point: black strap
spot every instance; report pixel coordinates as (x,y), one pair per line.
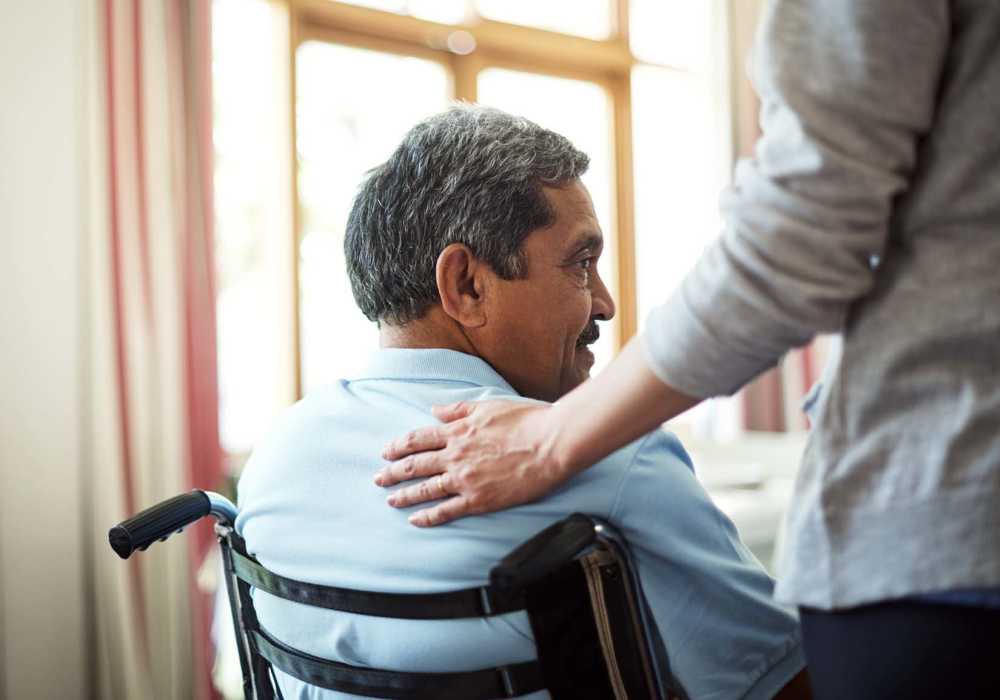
(487,684)
(469,602)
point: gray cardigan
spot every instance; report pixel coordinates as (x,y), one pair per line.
(871,209)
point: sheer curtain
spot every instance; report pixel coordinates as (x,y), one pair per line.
(149,352)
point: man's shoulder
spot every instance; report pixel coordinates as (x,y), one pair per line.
(354,419)
(651,463)
(655,447)
(656,475)
(303,417)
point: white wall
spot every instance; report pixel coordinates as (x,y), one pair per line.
(42,645)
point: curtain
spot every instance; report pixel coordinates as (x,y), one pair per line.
(772,402)
(149,355)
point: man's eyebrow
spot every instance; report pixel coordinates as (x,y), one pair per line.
(591,240)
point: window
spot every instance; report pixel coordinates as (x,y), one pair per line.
(337,140)
(252,211)
(312,93)
(588,18)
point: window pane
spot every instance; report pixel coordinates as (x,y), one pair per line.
(672,32)
(354,106)
(444,11)
(580,111)
(682,162)
(587,18)
(251,223)
(678,177)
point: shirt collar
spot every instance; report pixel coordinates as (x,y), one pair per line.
(432,365)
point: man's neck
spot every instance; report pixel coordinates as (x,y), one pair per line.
(435,330)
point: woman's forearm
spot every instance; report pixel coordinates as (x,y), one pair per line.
(612,409)
(490,455)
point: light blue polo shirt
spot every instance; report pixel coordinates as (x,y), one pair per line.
(309,510)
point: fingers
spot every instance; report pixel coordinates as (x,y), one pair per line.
(430,438)
(452,412)
(421,440)
(428,490)
(442,513)
(412,467)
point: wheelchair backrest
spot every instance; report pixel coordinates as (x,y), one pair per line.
(593,631)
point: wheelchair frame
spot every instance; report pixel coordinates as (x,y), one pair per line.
(580,558)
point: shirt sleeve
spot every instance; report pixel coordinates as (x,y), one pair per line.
(847,90)
(712,602)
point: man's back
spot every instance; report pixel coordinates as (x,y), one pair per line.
(310,511)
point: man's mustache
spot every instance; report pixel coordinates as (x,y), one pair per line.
(590,334)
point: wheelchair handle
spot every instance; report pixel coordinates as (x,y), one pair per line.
(550,549)
(164,519)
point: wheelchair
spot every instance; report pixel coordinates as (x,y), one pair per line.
(592,627)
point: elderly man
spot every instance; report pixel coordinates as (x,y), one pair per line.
(475,248)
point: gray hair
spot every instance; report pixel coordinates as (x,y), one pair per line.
(471,175)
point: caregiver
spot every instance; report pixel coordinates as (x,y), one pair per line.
(871,209)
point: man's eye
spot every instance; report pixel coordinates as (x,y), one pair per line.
(587,263)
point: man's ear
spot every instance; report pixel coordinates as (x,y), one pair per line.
(461,285)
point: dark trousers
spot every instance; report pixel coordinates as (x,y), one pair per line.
(903,649)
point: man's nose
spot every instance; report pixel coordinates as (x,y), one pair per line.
(602,305)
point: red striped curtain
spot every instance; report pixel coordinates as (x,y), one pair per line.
(772,402)
(152,373)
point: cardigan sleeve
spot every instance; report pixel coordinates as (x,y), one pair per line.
(847,90)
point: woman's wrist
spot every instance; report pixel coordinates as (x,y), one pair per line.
(561,448)
(619,405)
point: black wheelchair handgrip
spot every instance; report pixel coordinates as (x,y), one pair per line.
(550,549)
(158,522)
